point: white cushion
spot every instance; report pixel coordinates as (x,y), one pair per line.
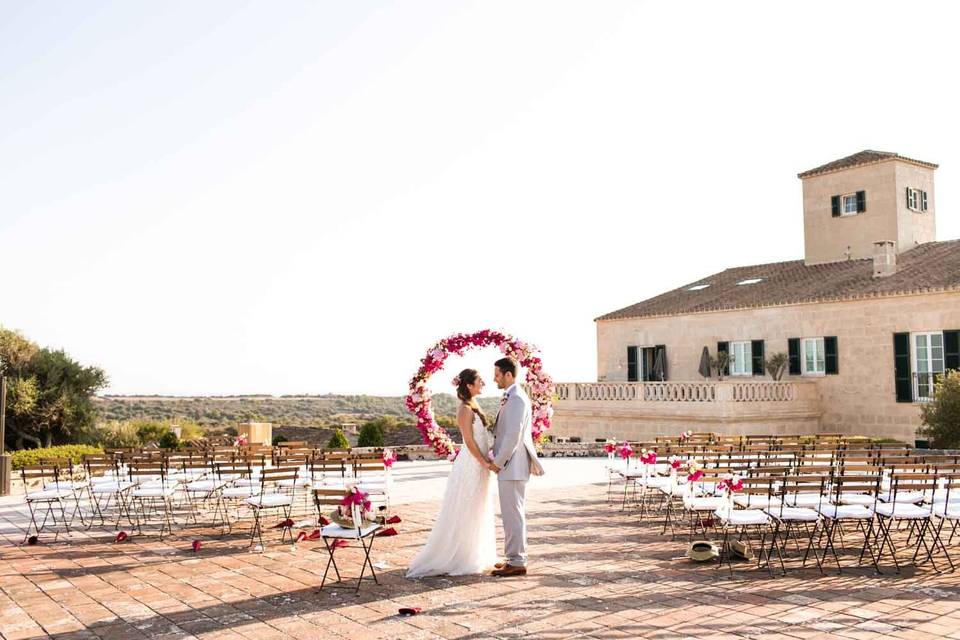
(755,501)
(857,498)
(805,500)
(657,482)
(336,531)
(240,492)
(903,496)
(704,504)
(186,476)
(269,500)
(846,512)
(951,512)
(247,482)
(104,479)
(110,487)
(50,494)
(905,510)
(154,491)
(801,514)
(69,486)
(204,486)
(741,517)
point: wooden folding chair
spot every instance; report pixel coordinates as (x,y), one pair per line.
(328,499)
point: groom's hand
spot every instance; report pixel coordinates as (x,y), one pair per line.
(493,468)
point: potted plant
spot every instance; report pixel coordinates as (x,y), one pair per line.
(777,365)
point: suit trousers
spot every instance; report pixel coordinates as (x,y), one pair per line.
(513,513)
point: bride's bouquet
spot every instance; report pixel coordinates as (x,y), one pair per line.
(343,514)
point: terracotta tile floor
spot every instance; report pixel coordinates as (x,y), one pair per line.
(594,574)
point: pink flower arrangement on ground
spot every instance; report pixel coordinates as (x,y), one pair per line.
(419,400)
(626,450)
(389,457)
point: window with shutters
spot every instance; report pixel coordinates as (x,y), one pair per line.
(812,361)
(916,199)
(849,205)
(741,359)
(927,363)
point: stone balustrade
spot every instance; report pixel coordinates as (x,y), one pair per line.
(726,391)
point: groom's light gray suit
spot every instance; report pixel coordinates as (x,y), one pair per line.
(515,455)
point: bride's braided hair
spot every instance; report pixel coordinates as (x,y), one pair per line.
(469,376)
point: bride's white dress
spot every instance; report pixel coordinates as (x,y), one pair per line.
(463,539)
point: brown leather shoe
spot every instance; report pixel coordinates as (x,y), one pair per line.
(500,565)
(509,570)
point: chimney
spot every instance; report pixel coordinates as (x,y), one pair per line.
(884,259)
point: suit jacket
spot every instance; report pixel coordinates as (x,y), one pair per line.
(513,449)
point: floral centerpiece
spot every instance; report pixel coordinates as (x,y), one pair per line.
(685,435)
(389,457)
(648,457)
(625,451)
(419,400)
(609,447)
(694,471)
(343,514)
(675,462)
(729,483)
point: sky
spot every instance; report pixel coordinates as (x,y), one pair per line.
(302,197)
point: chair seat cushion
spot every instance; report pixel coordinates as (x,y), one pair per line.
(104,479)
(794,514)
(857,498)
(186,476)
(704,504)
(903,496)
(805,500)
(50,494)
(110,487)
(240,492)
(154,491)
(846,512)
(336,531)
(204,486)
(268,500)
(756,502)
(949,511)
(904,510)
(67,485)
(741,517)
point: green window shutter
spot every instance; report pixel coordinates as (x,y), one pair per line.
(923,201)
(831,363)
(901,367)
(756,350)
(793,350)
(724,347)
(951,349)
(835,206)
(861,201)
(631,364)
(908,198)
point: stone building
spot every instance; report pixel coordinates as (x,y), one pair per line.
(867,319)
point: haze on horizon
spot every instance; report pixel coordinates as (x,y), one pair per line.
(302,197)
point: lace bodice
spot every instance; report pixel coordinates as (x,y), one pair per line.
(482,435)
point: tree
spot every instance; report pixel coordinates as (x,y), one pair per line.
(51,394)
(371,434)
(941,416)
(777,365)
(338,440)
(721,363)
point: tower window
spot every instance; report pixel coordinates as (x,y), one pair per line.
(849,205)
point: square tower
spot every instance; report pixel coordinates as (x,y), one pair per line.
(872,196)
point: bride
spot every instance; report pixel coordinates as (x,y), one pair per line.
(463,540)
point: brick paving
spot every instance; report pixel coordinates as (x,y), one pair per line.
(595,573)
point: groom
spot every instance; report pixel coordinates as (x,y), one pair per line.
(514,459)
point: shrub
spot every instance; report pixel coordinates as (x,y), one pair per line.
(941,416)
(371,435)
(277,439)
(338,440)
(150,431)
(112,433)
(29,457)
(169,440)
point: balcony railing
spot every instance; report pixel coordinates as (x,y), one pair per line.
(726,391)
